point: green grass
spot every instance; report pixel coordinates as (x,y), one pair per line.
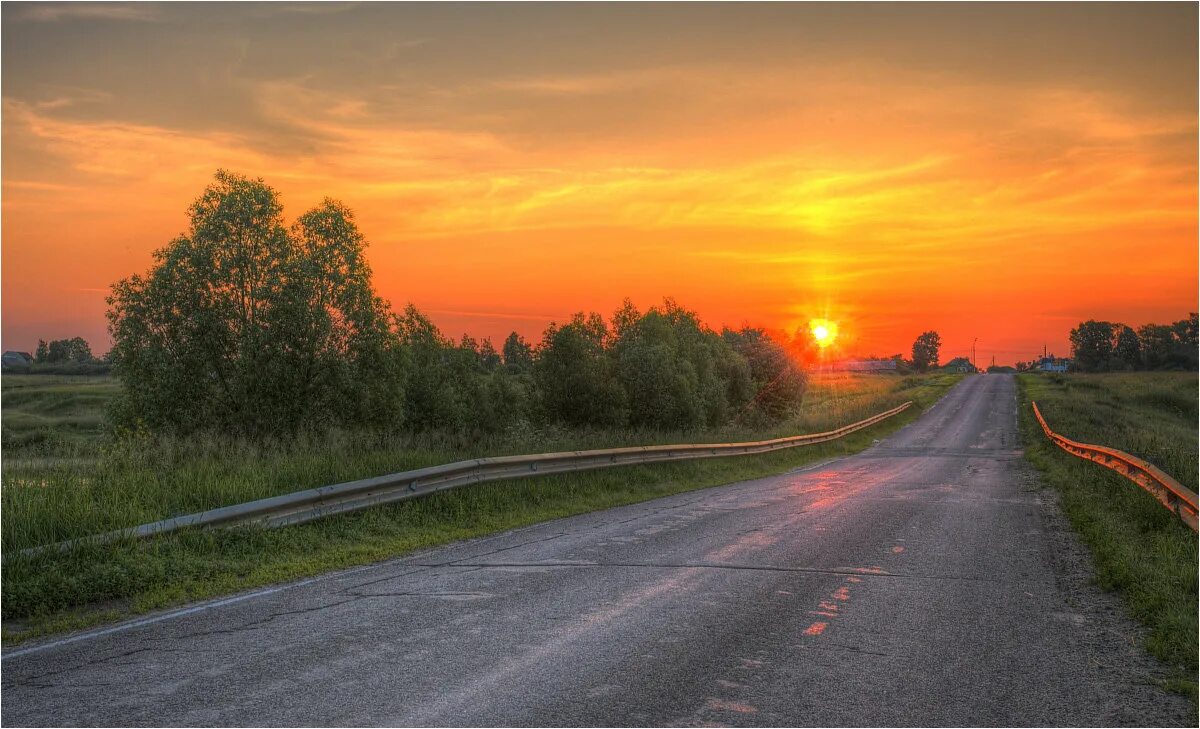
(126,484)
(53,415)
(1141,550)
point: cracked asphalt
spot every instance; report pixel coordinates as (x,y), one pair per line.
(926,581)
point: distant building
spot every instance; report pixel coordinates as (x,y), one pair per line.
(12,358)
(959,364)
(862,365)
(1050,363)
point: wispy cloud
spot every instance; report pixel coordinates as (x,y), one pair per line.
(48,12)
(273,9)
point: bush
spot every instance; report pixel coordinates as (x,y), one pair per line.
(776,380)
(678,374)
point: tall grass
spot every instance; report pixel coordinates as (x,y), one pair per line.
(1141,549)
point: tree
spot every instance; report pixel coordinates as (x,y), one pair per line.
(625,318)
(243,325)
(1185,331)
(1128,350)
(59,351)
(925,351)
(469,343)
(344,352)
(576,377)
(1170,346)
(518,355)
(489,359)
(676,373)
(1092,345)
(435,396)
(777,382)
(1157,344)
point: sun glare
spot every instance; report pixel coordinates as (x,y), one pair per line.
(823,331)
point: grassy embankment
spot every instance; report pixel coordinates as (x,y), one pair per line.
(1141,550)
(64,478)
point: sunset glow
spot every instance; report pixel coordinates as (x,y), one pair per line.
(994,171)
(823,331)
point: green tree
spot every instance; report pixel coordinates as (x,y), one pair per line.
(1158,345)
(576,377)
(1188,330)
(1185,331)
(436,397)
(489,359)
(1093,344)
(625,318)
(676,373)
(469,343)
(244,326)
(777,383)
(925,351)
(338,341)
(518,355)
(58,351)
(1128,350)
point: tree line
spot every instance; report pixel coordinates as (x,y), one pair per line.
(71,356)
(247,325)
(1102,346)
(62,351)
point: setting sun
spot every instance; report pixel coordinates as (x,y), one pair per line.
(823,331)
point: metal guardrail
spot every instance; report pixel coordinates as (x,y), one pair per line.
(1173,495)
(311,504)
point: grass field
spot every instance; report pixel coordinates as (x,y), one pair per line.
(1141,550)
(69,479)
(54,415)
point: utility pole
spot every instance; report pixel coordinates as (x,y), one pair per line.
(973,360)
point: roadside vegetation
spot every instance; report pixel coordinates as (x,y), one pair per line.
(1141,550)
(83,485)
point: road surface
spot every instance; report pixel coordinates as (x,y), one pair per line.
(925,581)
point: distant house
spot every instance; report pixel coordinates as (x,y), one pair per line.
(13,358)
(1050,363)
(959,364)
(864,365)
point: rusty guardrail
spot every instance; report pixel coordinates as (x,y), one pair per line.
(303,506)
(1172,494)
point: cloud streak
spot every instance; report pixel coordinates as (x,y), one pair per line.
(50,12)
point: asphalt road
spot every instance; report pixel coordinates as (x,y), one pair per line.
(925,581)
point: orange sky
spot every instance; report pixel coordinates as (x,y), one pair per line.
(998,171)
